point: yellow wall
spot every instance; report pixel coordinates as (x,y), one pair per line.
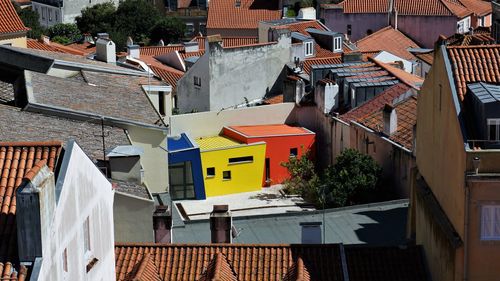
(245,177)
(16,41)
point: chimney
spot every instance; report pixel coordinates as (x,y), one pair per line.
(162,224)
(44,39)
(191,47)
(133,51)
(220,224)
(311,232)
(125,164)
(390,119)
(105,50)
(103,35)
(130,42)
(36,202)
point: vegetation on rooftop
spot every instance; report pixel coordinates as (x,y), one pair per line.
(354,179)
(30,20)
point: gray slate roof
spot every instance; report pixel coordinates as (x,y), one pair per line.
(111,95)
(18,125)
(485,92)
(381,224)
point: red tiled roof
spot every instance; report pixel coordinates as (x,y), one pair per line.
(426,57)
(249,262)
(223,14)
(144,270)
(84,48)
(477,38)
(9,273)
(35,44)
(298,272)
(403,76)
(185,55)
(275,100)
(474,64)
(160,50)
(390,40)
(270,130)
(16,159)
(301,26)
(478,7)
(168,74)
(318,61)
(408,7)
(406,112)
(376,103)
(219,269)
(9,20)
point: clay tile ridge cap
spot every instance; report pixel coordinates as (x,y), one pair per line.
(30,175)
(146,261)
(31,144)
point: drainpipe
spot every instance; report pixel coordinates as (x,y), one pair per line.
(466,231)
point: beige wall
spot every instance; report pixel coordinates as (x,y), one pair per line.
(210,123)
(483,255)
(16,41)
(155,157)
(440,148)
(133,218)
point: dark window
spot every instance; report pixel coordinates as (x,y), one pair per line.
(268,169)
(369,32)
(197,81)
(494,129)
(211,172)
(226,175)
(161,103)
(294,152)
(349,30)
(236,160)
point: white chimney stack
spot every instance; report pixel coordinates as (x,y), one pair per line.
(105,50)
(390,119)
(133,51)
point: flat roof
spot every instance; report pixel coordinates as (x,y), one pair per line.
(270,130)
(181,142)
(216,142)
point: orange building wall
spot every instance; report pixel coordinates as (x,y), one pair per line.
(278,151)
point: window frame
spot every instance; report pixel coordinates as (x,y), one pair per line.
(224,177)
(493,122)
(240,160)
(337,44)
(296,152)
(494,221)
(308,48)
(197,81)
(87,239)
(210,175)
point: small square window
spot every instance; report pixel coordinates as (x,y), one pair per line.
(294,152)
(197,81)
(211,172)
(226,175)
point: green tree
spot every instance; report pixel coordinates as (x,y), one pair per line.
(64,33)
(170,30)
(303,179)
(30,20)
(96,19)
(352,180)
(136,18)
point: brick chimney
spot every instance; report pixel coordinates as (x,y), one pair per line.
(220,224)
(162,224)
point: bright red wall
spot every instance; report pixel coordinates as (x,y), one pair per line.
(278,150)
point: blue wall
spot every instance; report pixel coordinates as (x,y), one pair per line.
(192,155)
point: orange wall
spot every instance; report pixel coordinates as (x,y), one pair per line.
(278,151)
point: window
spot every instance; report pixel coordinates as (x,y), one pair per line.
(337,44)
(490,222)
(65,260)
(57,15)
(349,30)
(50,15)
(86,236)
(460,27)
(189,29)
(203,28)
(494,129)
(161,103)
(211,172)
(226,175)
(480,21)
(238,160)
(308,48)
(44,10)
(197,81)
(294,152)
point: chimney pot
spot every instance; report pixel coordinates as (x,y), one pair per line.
(390,119)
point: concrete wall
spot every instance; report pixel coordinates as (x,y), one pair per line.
(155,158)
(211,123)
(133,218)
(337,21)
(426,30)
(387,57)
(73,8)
(14,40)
(192,98)
(85,193)
(48,15)
(246,72)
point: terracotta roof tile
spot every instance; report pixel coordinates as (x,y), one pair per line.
(223,14)
(363,6)
(249,262)
(56,47)
(168,74)
(219,269)
(390,40)
(9,273)
(477,38)
(85,48)
(405,77)
(408,7)
(228,41)
(145,270)
(35,44)
(478,7)
(474,64)
(298,272)
(16,159)
(9,20)
(426,57)
(406,112)
(275,100)
(318,61)
(160,50)
(375,104)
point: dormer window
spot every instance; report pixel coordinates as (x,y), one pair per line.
(337,44)
(308,48)
(494,129)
